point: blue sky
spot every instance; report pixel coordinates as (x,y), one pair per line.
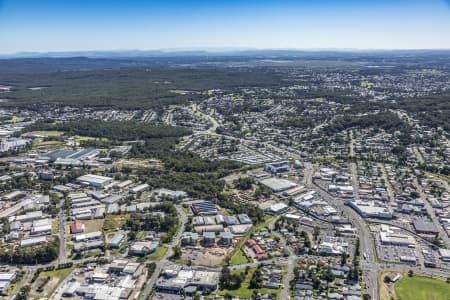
(72,25)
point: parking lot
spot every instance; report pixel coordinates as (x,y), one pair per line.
(389,253)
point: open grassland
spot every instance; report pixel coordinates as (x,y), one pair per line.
(244,291)
(55,278)
(112,222)
(44,133)
(422,288)
(47,145)
(158,254)
(80,138)
(238,258)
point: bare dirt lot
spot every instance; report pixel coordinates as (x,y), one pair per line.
(206,256)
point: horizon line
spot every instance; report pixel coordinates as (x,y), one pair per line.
(217,50)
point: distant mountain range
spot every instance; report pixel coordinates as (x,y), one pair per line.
(220,52)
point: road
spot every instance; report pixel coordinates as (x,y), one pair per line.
(352,145)
(432,214)
(390,192)
(289,276)
(165,261)
(365,237)
(214,123)
(62,234)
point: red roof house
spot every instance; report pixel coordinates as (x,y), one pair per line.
(77,227)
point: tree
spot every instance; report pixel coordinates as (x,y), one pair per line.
(229,281)
(23,293)
(316,232)
(225,278)
(387,279)
(176,252)
(328,275)
(366,297)
(344,257)
(410,273)
(243,183)
(414,195)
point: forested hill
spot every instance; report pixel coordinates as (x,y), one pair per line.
(128,88)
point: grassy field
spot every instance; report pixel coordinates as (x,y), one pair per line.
(60,274)
(48,145)
(80,138)
(158,254)
(238,258)
(244,291)
(140,235)
(55,225)
(422,288)
(50,133)
(114,221)
(139,163)
(14,120)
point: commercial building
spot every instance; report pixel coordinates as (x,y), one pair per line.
(244,219)
(33,241)
(209,239)
(189,238)
(277,209)
(116,240)
(143,247)
(204,208)
(277,167)
(6,280)
(333,246)
(139,189)
(369,209)
(95,180)
(71,154)
(424,227)
(278,185)
(230,220)
(13,196)
(177,279)
(82,237)
(226,239)
(444,254)
(390,235)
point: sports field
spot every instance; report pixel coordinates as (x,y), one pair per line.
(422,288)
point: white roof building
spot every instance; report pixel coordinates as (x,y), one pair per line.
(95,180)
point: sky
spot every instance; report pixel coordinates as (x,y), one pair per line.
(85,25)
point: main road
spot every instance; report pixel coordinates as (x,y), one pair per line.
(62,234)
(368,263)
(165,260)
